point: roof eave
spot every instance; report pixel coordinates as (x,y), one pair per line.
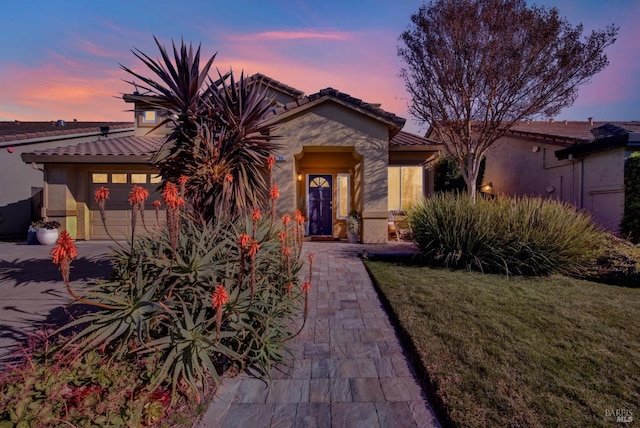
(394,126)
(85,159)
(593,147)
(416,148)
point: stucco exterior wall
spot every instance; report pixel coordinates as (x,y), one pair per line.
(330,127)
(68,199)
(517,167)
(594,183)
(604,187)
(21,184)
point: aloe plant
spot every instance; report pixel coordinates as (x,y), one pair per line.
(160,302)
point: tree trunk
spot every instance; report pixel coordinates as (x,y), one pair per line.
(471,178)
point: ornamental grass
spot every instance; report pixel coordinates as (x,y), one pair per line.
(522,236)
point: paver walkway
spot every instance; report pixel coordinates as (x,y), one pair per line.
(350,369)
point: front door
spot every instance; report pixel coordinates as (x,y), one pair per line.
(320,205)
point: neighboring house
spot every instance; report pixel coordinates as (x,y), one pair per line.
(338,154)
(581,163)
(21,185)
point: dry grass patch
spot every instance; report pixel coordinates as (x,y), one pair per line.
(519,351)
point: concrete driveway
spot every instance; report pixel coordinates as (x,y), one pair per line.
(32,294)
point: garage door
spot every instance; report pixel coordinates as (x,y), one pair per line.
(118,211)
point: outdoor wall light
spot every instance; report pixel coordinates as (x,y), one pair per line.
(299,176)
(487,188)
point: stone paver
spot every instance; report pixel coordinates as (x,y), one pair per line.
(350,369)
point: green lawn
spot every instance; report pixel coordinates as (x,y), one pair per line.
(519,351)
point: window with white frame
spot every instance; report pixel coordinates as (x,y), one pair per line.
(149,116)
(405,186)
(343,195)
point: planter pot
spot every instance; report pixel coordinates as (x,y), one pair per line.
(47,236)
(352,238)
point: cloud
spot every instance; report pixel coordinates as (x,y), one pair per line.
(366,67)
(98,51)
(292,35)
(57,90)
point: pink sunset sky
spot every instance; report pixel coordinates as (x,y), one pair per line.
(61,59)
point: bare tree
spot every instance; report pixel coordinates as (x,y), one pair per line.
(476,67)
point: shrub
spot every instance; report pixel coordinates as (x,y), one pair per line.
(618,265)
(630,224)
(91,390)
(220,297)
(530,236)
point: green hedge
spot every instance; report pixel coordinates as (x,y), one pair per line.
(528,236)
(630,225)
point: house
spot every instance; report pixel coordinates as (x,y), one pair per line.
(21,185)
(581,163)
(338,153)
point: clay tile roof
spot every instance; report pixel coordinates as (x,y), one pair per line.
(406,139)
(372,109)
(18,130)
(296,93)
(580,132)
(108,150)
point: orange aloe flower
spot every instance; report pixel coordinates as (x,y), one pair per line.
(286,219)
(229,178)
(244,240)
(286,251)
(275,192)
(270,162)
(256,215)
(283,237)
(255,247)
(182,180)
(306,286)
(64,249)
(101,194)
(299,218)
(311,256)
(63,253)
(138,195)
(289,286)
(175,203)
(170,191)
(220,297)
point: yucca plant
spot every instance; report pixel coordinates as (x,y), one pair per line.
(220,140)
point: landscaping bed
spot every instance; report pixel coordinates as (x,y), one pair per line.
(518,351)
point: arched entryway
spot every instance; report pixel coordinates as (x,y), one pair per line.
(329,186)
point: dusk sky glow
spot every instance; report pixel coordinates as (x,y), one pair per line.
(60,60)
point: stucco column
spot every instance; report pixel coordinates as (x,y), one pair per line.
(375,212)
(60,203)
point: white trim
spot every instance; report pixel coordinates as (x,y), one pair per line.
(152,118)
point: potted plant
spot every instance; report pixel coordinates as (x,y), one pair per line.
(353,226)
(46,231)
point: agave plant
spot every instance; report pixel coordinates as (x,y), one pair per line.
(220,139)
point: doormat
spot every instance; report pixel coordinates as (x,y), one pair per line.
(323,238)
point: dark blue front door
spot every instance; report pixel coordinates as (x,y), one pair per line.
(320,206)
